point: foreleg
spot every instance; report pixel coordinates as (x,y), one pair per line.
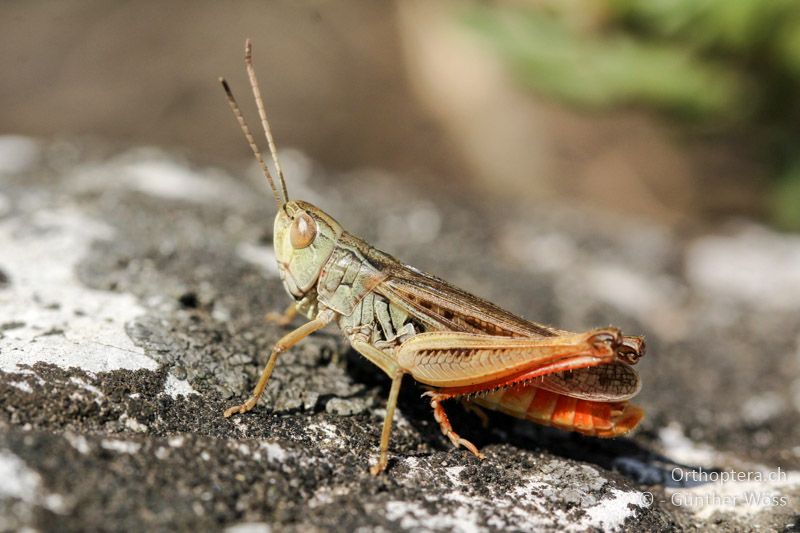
(286,342)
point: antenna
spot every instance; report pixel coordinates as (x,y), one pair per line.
(249,136)
(262,112)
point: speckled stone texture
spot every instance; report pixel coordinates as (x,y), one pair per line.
(133,289)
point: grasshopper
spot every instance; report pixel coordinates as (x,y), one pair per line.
(455,344)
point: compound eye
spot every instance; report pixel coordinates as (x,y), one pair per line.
(303,231)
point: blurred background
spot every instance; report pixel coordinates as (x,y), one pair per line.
(582,163)
(684,111)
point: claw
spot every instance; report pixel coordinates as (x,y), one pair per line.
(377,468)
(240,409)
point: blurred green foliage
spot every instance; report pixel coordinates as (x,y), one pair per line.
(598,69)
(718,61)
(785,199)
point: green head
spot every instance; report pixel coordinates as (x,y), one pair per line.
(304,239)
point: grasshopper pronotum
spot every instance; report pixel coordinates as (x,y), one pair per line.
(455,344)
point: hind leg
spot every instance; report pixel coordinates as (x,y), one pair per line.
(444,424)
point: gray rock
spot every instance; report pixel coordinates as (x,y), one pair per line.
(133,314)
(346,406)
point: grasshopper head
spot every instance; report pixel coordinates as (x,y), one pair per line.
(304,239)
(304,235)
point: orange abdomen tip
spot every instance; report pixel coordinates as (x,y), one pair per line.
(623,423)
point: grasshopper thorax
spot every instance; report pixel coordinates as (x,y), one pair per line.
(304,239)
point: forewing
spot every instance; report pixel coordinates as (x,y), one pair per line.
(445,307)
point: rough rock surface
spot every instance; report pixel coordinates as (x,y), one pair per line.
(133,289)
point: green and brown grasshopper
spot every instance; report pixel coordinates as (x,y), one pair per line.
(455,344)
